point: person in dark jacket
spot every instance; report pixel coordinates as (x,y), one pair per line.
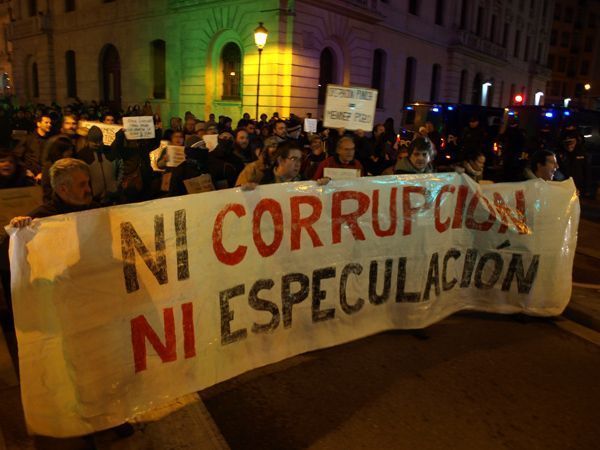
(572,160)
(103,174)
(420,154)
(195,164)
(473,137)
(30,149)
(513,151)
(61,147)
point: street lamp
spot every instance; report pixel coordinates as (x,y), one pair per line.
(587,86)
(260,39)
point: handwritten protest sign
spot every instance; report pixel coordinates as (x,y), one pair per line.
(108,131)
(151,301)
(352,108)
(139,127)
(175,155)
(341,174)
(196,185)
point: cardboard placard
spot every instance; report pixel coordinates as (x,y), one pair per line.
(140,127)
(341,174)
(196,185)
(108,131)
(175,155)
(352,108)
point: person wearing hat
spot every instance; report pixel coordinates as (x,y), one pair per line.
(255,171)
(103,173)
(473,137)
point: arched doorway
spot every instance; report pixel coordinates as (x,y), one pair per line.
(110,76)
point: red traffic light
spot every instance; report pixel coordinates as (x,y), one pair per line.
(518,98)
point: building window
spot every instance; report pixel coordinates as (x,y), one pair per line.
(553,36)
(326,72)
(439,12)
(511,98)
(32,8)
(464,14)
(550,64)
(565,38)
(71,74)
(413,7)
(493,29)
(110,76)
(505,35)
(378,77)
(557,11)
(527,45)
(477,90)
(462,88)
(35,81)
(589,43)
(562,64)
(435,83)
(585,67)
(568,14)
(231,62)
(69,5)
(159,73)
(592,21)
(409,79)
(479,26)
(517,42)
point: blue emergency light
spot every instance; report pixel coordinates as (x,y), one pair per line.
(409,108)
(567,113)
(450,108)
(511,113)
(435,109)
(549,115)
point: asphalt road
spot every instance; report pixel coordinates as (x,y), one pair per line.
(476,382)
(472,381)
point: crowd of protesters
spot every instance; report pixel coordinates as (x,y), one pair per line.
(47,146)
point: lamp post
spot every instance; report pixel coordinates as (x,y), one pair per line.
(260,39)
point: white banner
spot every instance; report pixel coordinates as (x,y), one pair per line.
(108,131)
(119,310)
(352,108)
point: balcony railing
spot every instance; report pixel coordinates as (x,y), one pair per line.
(474,42)
(31,26)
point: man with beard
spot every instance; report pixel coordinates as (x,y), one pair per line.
(70,180)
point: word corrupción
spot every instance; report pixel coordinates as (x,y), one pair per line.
(346,207)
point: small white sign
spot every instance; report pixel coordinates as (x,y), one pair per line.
(310,125)
(175,155)
(211,140)
(341,174)
(203,183)
(141,127)
(352,108)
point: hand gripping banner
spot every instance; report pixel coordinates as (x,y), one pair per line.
(122,309)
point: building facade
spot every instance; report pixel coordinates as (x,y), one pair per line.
(199,55)
(574,56)
(5,50)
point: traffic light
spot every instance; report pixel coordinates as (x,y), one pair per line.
(519,99)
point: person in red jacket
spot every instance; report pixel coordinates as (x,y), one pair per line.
(343,159)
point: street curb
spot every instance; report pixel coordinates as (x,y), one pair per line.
(582,317)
